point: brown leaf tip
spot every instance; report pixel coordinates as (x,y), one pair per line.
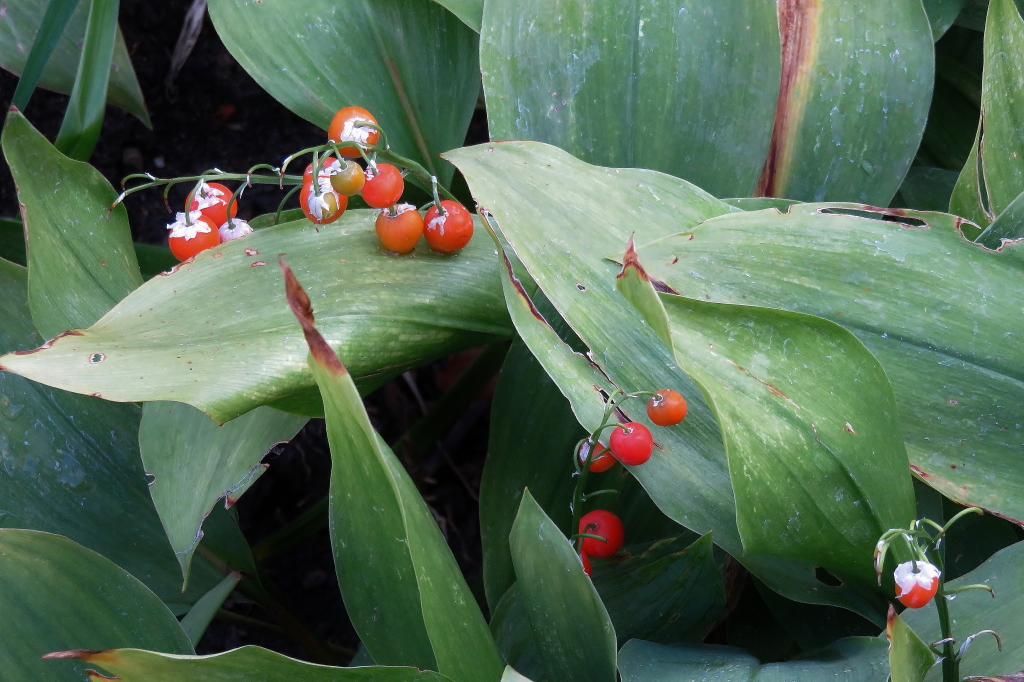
(298,299)
(631,260)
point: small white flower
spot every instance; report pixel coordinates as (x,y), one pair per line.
(233,230)
(906,579)
(207,196)
(181,228)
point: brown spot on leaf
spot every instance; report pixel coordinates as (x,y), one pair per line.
(918,471)
(299,302)
(83,654)
(848,427)
(258,264)
(252,252)
(99,676)
(798,33)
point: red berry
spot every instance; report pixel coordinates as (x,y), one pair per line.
(631,443)
(211,199)
(399,228)
(608,526)
(586,563)
(602,460)
(452,230)
(189,240)
(384,187)
(666,408)
(323,208)
(914,590)
(343,129)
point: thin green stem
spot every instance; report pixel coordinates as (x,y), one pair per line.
(950,666)
(578,498)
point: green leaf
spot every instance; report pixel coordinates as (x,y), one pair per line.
(58,12)
(81,263)
(12,240)
(910,659)
(569,231)
(69,464)
(59,595)
(855,659)
(976,610)
(681,87)
(1008,227)
(83,119)
(202,612)
(247,662)
(18,31)
(205,334)
(994,174)
(195,463)
(857,78)
(469,11)
(411,63)
(511,675)
(927,189)
(669,592)
(154,259)
(574,634)
(942,14)
(951,357)
(403,589)
(809,421)
(530,444)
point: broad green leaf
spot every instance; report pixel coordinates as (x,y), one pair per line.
(59,595)
(574,634)
(935,309)
(530,445)
(411,63)
(403,589)
(570,231)
(154,259)
(18,28)
(249,663)
(949,136)
(54,20)
(808,418)
(976,610)
(202,612)
(513,634)
(69,464)
(855,659)
(994,174)
(80,261)
(469,11)
(669,592)
(942,14)
(511,675)
(83,119)
(813,626)
(910,659)
(12,240)
(681,86)
(208,335)
(856,82)
(1007,227)
(194,463)
(926,189)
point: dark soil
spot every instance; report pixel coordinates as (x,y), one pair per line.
(215,115)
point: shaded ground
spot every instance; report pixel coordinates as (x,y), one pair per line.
(216,115)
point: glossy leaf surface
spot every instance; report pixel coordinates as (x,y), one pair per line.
(194,463)
(855,659)
(856,81)
(59,595)
(411,63)
(202,612)
(568,231)
(51,27)
(249,663)
(910,659)
(206,335)
(69,464)
(680,86)
(934,309)
(80,262)
(994,174)
(976,610)
(574,634)
(17,33)
(403,590)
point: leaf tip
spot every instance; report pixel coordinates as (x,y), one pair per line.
(300,304)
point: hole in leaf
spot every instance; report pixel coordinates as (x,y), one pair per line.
(97,358)
(826,577)
(878,214)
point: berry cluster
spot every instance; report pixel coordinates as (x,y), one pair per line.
(324,191)
(599,532)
